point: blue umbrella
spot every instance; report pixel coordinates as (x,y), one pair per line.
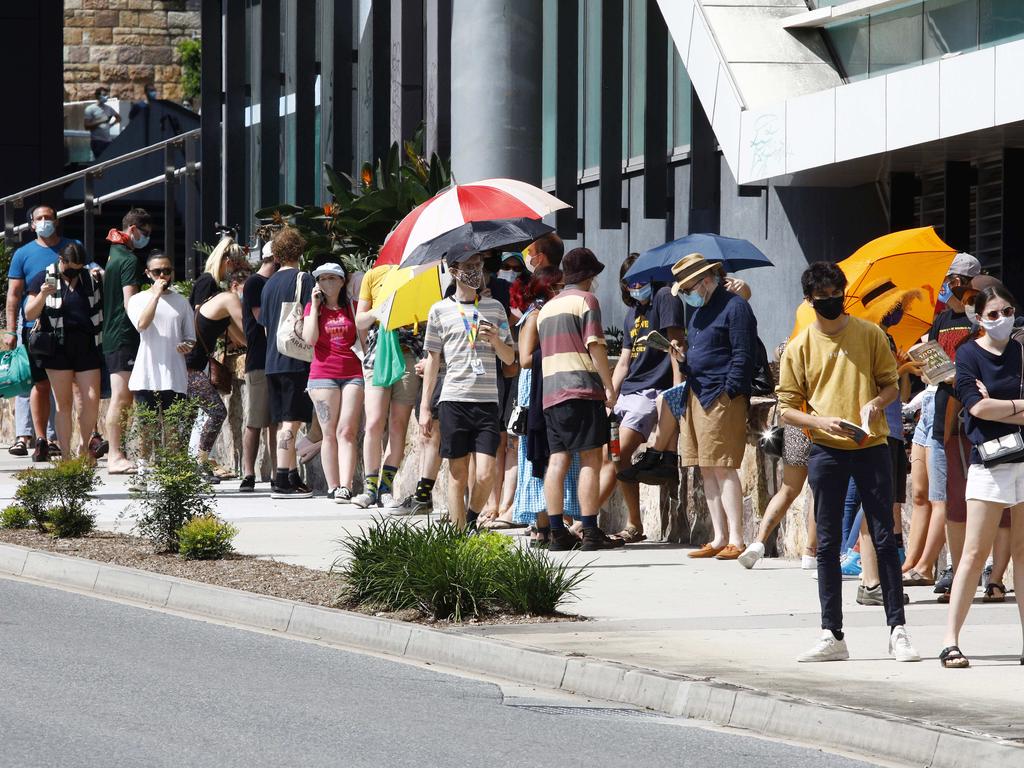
(655,265)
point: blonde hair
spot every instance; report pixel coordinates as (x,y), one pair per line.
(227,249)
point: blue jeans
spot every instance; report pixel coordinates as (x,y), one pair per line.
(850,507)
(23,414)
(829,472)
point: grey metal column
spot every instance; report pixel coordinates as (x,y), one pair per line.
(496,89)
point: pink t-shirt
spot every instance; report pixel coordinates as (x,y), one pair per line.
(333,357)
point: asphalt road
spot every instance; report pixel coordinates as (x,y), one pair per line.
(87,682)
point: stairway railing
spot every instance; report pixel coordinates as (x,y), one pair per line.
(91,204)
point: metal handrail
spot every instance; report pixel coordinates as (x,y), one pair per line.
(91,203)
(97,169)
(99,200)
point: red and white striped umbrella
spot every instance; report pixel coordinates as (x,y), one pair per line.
(462,203)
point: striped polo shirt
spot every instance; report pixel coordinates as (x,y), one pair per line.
(567,324)
(446,334)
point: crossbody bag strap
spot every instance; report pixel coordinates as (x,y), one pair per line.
(298,286)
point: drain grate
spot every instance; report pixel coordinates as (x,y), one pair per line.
(588,711)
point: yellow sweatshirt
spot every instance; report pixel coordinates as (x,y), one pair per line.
(836,376)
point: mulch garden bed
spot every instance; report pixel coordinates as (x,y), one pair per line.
(244,572)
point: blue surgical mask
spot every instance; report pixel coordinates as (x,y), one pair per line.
(45,228)
(693,299)
(945,293)
(140,242)
(643,295)
(102,98)
(151,95)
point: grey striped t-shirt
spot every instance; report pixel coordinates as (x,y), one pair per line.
(446,333)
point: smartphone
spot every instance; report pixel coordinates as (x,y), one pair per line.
(484,322)
(51,281)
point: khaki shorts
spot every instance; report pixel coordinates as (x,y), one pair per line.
(407,389)
(716,437)
(257,401)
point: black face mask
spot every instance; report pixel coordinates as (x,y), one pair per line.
(70,274)
(959,291)
(829,308)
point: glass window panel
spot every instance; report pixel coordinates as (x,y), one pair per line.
(896,39)
(549,89)
(679,99)
(1001,21)
(635,88)
(592,83)
(950,26)
(581,84)
(850,42)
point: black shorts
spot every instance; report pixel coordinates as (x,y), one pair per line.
(38,372)
(576,425)
(468,428)
(900,470)
(288,398)
(120,360)
(157,400)
(78,353)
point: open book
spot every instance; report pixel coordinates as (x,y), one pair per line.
(936,367)
(655,340)
(859,433)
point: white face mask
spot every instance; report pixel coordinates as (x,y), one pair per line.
(508,275)
(972,316)
(1000,329)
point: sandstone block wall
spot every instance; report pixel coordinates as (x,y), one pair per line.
(124,44)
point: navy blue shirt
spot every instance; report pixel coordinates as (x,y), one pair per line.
(279,289)
(650,368)
(75,305)
(721,340)
(255,334)
(1001,375)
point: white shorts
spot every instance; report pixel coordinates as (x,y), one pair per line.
(1003,483)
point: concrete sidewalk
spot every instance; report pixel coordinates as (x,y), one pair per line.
(650,606)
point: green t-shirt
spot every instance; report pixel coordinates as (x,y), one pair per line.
(123,268)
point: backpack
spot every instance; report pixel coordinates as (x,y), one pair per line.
(762,383)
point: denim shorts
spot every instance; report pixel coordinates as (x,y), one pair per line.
(936,471)
(923,431)
(355,381)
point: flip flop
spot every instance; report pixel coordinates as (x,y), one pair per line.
(131,471)
(498,524)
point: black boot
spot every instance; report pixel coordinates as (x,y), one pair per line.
(595,539)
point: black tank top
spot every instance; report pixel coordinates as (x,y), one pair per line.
(207,333)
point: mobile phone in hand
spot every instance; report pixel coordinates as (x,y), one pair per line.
(51,281)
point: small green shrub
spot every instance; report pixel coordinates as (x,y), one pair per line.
(57,498)
(170,493)
(205,538)
(447,573)
(15,516)
(34,494)
(173,487)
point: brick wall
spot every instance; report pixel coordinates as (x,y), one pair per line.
(124,44)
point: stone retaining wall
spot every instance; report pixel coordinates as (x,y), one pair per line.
(124,44)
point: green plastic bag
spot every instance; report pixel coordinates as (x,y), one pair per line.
(15,373)
(389,365)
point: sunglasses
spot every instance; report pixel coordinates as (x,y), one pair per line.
(161,272)
(995,314)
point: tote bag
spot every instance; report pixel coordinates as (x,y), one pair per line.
(289,327)
(15,373)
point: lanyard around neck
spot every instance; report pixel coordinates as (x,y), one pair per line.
(472,328)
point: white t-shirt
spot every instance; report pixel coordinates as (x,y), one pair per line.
(99,112)
(159,366)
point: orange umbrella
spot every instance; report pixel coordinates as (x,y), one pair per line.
(905,267)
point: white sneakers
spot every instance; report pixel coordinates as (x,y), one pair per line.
(808,563)
(828,648)
(900,647)
(751,554)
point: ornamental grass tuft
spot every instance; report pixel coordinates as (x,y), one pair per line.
(446,573)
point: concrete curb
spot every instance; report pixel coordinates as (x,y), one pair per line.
(863,732)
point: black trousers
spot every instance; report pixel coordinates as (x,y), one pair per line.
(828,472)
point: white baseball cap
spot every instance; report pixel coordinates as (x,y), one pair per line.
(330,268)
